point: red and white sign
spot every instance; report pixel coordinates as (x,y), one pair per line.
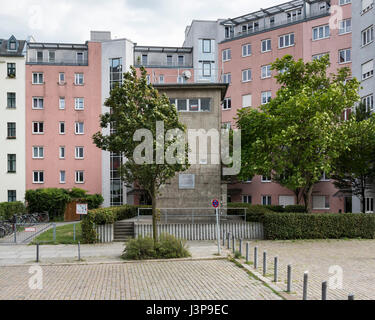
(30,229)
(81,208)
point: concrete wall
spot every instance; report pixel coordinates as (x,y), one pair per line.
(12,181)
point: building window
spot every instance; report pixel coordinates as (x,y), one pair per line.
(38,78)
(266,72)
(325,177)
(246,75)
(368,70)
(246,100)
(246,199)
(252,27)
(369,204)
(294,15)
(192,105)
(227,78)
(80,177)
(345,56)
(12,45)
(80,57)
(12,195)
(181,60)
(368,101)
(266,45)
(115,73)
(79,153)
(226,125)
(367,5)
(79,128)
(266,200)
(62,152)
(287,40)
(319,56)
(227,32)
(11,67)
(39,56)
(11,163)
(343,2)
(11,132)
(367,36)
(11,100)
(61,78)
(38,153)
(206,69)
(227,55)
(181,79)
(266,179)
(62,176)
(38,103)
(38,127)
(62,127)
(148,79)
(206,45)
(51,56)
(246,50)
(62,103)
(144,60)
(266,97)
(78,79)
(38,176)
(227,104)
(169,60)
(79,103)
(161,79)
(345,26)
(320,202)
(321,32)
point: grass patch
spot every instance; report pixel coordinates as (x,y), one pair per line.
(64,235)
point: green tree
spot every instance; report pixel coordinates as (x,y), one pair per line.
(294,135)
(137,105)
(354,170)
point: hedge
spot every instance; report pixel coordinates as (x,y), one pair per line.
(254,213)
(106,216)
(54,200)
(290,226)
(8,209)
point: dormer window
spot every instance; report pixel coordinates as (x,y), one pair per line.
(12,44)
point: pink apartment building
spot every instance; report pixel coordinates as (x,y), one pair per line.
(63,104)
(253,42)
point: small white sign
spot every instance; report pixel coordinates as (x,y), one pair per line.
(81,208)
(186,181)
(30,229)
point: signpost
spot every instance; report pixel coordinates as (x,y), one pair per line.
(81,208)
(216,204)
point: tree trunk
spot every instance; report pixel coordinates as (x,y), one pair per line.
(363,196)
(154,222)
(307,198)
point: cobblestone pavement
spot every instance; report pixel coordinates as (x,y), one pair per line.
(191,280)
(356,258)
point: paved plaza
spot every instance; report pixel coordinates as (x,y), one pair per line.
(190,280)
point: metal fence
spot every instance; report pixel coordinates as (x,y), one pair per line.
(24,233)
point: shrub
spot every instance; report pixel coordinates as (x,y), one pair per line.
(289,226)
(8,209)
(295,208)
(254,213)
(94,200)
(275,208)
(144,248)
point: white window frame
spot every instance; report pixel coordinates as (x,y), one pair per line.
(77,79)
(79,103)
(204,50)
(62,181)
(60,126)
(367,5)
(246,48)
(284,37)
(368,74)
(368,101)
(62,78)
(266,97)
(248,96)
(161,78)
(325,36)
(38,99)
(39,152)
(247,75)
(367,36)
(62,152)
(266,200)
(77,175)
(346,52)
(40,173)
(268,45)
(246,197)
(77,126)
(268,72)
(78,152)
(344,2)
(227,103)
(227,78)
(37,132)
(39,76)
(267,179)
(319,56)
(62,103)
(226,55)
(343,26)
(294,15)
(369,205)
(325,202)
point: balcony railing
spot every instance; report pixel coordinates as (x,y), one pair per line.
(61,62)
(268,26)
(164,65)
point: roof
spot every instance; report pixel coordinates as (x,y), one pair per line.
(19,52)
(60,46)
(223,87)
(269,11)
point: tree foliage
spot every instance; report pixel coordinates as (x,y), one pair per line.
(137,105)
(295,136)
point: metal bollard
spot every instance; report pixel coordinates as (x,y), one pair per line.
(240,247)
(324,290)
(234,244)
(289,279)
(264,263)
(351,297)
(37,252)
(305,280)
(223,238)
(247,251)
(275,270)
(228,241)
(79,251)
(54,232)
(74,232)
(15,233)
(256,257)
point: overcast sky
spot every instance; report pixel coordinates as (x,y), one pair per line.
(147,22)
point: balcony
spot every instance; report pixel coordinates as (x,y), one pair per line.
(155,64)
(58,62)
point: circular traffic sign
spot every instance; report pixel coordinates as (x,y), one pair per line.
(215,203)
